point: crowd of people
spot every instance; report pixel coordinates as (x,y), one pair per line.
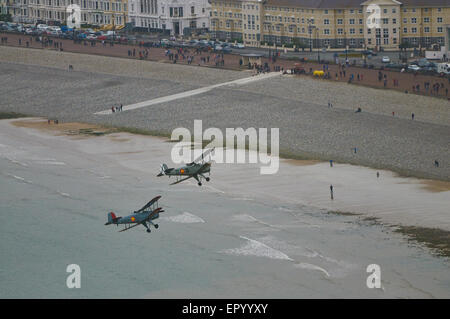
(343,71)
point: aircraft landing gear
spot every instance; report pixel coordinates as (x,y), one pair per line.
(156,226)
(148,230)
(199,183)
(207,179)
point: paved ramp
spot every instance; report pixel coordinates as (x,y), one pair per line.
(193,92)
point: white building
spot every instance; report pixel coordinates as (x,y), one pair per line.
(180,17)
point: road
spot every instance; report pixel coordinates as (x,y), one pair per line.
(404,81)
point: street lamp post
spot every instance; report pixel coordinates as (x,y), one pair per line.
(317,44)
(345,43)
(310,27)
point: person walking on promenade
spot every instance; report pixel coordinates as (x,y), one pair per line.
(412,116)
(331,192)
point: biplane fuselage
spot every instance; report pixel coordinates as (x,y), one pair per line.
(145,215)
(190,169)
(196,169)
(137,218)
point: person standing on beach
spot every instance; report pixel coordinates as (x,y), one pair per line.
(331,192)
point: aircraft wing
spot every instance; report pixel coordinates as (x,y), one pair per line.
(205,153)
(127,228)
(150,203)
(181,180)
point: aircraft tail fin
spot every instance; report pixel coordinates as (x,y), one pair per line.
(163,170)
(112,218)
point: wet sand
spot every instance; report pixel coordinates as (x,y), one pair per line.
(391,198)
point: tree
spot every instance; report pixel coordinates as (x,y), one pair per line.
(6,17)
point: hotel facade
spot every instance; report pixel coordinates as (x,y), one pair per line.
(106,12)
(389,24)
(178,17)
(175,16)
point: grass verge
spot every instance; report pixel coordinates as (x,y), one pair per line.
(11,115)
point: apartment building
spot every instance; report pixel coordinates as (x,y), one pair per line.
(176,16)
(93,12)
(332,23)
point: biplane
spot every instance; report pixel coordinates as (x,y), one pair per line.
(196,169)
(145,215)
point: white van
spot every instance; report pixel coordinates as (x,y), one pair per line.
(443,68)
(42,27)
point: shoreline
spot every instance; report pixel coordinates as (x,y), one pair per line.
(286,155)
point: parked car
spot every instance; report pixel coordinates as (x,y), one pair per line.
(42,27)
(413,68)
(443,69)
(226,49)
(394,66)
(385,59)
(368,52)
(30,31)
